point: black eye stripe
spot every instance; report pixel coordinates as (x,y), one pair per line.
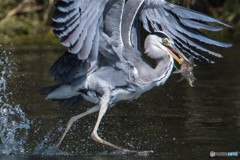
(160,34)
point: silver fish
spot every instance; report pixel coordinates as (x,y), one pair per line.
(186,71)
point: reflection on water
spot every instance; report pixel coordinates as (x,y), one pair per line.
(174,120)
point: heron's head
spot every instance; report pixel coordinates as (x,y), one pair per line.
(158,44)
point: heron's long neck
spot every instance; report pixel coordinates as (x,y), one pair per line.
(148,74)
(163,59)
(164,65)
(163,68)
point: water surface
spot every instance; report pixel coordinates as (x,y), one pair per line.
(174,120)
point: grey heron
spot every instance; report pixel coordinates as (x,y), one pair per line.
(103,63)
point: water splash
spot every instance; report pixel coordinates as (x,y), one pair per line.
(14,129)
(13,122)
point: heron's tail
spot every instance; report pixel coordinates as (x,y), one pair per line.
(62,93)
(70,72)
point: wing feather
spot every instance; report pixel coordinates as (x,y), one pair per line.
(199,25)
(182,12)
(88,28)
(76,22)
(94,50)
(60,17)
(85,49)
(63,28)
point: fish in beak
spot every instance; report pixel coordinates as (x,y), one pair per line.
(186,68)
(186,71)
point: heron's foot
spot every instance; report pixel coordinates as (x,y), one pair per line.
(56,149)
(120,149)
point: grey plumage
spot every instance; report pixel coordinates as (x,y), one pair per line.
(103,63)
(77,23)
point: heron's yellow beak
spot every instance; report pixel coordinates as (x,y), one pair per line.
(175,57)
(173,52)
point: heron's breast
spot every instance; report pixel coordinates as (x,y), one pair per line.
(129,93)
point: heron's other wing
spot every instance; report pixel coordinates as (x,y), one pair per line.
(129,16)
(182,25)
(110,38)
(77,23)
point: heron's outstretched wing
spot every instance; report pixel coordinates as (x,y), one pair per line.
(85,27)
(77,23)
(182,25)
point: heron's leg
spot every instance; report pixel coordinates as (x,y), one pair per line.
(103,108)
(75,118)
